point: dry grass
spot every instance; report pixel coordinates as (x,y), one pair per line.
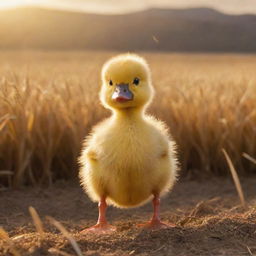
(66,234)
(49,102)
(37,221)
(235,178)
(253,160)
(8,242)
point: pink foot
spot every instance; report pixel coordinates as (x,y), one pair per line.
(156,224)
(99,229)
(102,227)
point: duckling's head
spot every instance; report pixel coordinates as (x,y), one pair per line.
(126,82)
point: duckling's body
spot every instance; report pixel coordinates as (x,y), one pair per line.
(129,157)
(128,166)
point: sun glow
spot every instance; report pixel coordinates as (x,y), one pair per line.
(117,6)
(11,3)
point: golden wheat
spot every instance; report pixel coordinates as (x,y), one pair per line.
(49,102)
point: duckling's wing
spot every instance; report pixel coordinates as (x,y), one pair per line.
(168,145)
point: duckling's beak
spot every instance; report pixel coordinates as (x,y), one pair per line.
(122,93)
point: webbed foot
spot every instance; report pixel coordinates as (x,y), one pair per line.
(100,228)
(156,224)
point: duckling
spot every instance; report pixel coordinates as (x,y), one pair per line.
(129,157)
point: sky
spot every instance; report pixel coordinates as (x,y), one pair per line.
(123,6)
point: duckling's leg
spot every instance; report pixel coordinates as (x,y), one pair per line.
(155,222)
(102,225)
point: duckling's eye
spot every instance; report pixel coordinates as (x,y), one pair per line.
(136,81)
(110,82)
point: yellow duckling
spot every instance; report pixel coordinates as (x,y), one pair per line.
(129,157)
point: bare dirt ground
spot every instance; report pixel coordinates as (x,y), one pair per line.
(208,218)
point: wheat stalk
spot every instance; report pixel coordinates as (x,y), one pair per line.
(37,221)
(47,118)
(4,236)
(235,177)
(59,252)
(253,160)
(66,234)
(6,173)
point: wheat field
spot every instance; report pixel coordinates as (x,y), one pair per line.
(49,102)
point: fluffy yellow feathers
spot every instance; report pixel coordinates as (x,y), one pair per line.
(129,157)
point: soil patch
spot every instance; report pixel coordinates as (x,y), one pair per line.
(208,218)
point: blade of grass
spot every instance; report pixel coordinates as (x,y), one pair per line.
(4,236)
(6,172)
(66,234)
(58,252)
(248,157)
(235,177)
(249,251)
(3,124)
(37,221)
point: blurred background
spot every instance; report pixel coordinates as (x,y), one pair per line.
(157,25)
(201,53)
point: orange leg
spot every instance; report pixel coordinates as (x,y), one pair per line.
(155,222)
(102,225)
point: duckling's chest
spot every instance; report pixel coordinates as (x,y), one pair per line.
(128,146)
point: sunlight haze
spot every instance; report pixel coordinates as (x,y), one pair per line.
(117,6)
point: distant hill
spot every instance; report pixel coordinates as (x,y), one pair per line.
(197,29)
